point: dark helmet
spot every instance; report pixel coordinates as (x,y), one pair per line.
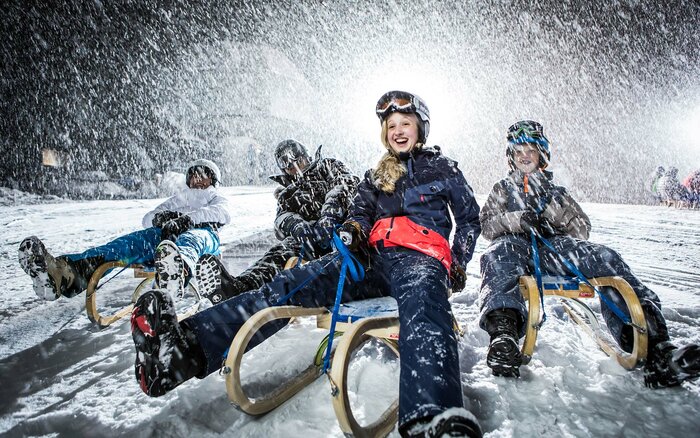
(204,167)
(290,152)
(404,102)
(528,131)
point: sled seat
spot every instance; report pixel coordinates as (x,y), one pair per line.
(571,293)
(145,272)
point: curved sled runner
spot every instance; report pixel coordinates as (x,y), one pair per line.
(358,321)
(146,274)
(571,292)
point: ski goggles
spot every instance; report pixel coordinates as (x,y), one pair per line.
(201,171)
(288,161)
(395,102)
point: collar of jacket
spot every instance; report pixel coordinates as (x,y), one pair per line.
(285,180)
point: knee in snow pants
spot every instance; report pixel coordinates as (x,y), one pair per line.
(139,247)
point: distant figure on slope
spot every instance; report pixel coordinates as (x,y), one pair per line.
(692,184)
(673,193)
(654,185)
(526,200)
(401,214)
(177,232)
(313,199)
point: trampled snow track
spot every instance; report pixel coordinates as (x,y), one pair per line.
(60,375)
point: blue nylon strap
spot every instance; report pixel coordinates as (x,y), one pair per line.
(616,310)
(538,273)
(357,273)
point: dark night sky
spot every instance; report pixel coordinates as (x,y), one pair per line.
(126,87)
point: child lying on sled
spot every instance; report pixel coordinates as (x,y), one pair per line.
(526,200)
(176,233)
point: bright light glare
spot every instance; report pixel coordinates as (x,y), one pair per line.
(431,83)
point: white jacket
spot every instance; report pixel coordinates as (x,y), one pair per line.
(200,205)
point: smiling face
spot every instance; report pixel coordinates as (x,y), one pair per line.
(402,131)
(199,179)
(526,157)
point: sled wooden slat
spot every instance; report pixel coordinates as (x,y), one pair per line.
(583,316)
(267,402)
(385,329)
(104,321)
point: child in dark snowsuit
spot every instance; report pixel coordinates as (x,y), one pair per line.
(528,200)
(401,215)
(313,198)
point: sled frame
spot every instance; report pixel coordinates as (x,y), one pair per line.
(581,314)
(140,271)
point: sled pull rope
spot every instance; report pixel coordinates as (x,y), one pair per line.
(538,274)
(357,273)
(287,297)
(612,306)
(128,264)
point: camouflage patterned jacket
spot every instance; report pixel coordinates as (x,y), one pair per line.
(518,193)
(323,193)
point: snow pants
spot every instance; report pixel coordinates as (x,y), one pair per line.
(140,247)
(429,377)
(510,256)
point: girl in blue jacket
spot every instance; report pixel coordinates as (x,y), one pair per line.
(401,218)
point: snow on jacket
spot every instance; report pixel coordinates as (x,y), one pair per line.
(323,193)
(203,206)
(432,186)
(519,193)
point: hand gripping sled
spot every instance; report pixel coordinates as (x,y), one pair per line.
(571,292)
(140,271)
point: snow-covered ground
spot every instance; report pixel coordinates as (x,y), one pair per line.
(60,375)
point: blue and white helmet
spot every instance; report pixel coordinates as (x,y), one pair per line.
(531,132)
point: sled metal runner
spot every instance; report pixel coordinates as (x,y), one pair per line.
(141,272)
(571,293)
(356,329)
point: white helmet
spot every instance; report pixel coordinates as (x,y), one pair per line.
(213,170)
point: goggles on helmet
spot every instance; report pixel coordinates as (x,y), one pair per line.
(288,160)
(200,171)
(396,102)
(527,132)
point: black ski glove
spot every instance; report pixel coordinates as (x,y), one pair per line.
(301,230)
(174,227)
(164,216)
(349,234)
(533,221)
(458,277)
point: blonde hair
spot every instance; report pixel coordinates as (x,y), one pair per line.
(390,168)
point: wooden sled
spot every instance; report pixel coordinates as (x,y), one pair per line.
(359,321)
(571,292)
(145,274)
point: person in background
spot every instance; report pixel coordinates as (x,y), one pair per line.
(654,185)
(176,234)
(313,198)
(525,201)
(401,216)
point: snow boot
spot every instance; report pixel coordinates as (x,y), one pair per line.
(668,365)
(51,277)
(504,356)
(215,283)
(454,422)
(170,269)
(166,355)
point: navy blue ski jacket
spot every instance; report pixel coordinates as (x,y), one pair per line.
(431,188)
